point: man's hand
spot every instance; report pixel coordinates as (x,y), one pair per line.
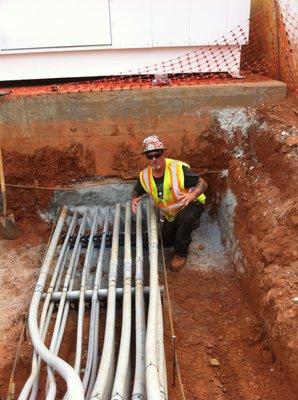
(134,203)
(186,198)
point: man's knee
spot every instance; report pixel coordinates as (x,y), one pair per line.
(168,233)
(190,216)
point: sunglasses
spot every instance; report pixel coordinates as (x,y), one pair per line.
(154,155)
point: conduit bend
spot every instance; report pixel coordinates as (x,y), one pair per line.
(73,382)
(63,308)
(46,315)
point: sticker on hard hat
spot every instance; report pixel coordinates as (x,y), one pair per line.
(150,138)
(151,143)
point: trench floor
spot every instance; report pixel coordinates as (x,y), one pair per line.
(215,323)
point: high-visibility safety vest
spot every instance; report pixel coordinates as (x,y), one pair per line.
(173,186)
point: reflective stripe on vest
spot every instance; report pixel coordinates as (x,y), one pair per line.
(173,186)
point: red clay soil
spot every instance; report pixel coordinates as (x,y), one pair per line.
(266,222)
(215,323)
(275,148)
(266,228)
(20,261)
(47,167)
(214,317)
(209,153)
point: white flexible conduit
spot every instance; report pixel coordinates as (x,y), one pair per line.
(101,294)
(92,358)
(47,313)
(155,367)
(104,381)
(65,249)
(122,376)
(63,308)
(162,370)
(139,387)
(74,384)
(152,378)
(85,272)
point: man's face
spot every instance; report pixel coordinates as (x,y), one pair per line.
(156,159)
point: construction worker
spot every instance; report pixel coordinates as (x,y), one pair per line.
(176,191)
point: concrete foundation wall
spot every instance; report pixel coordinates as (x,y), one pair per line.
(114,121)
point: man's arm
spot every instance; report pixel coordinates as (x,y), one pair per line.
(196,183)
(200,188)
(191,196)
(134,202)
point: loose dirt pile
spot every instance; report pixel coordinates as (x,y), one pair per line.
(20,261)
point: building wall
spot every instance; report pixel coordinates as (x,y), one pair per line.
(44,40)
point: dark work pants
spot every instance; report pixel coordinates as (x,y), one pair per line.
(178,232)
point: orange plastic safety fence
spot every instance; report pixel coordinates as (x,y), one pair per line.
(287,22)
(268,44)
(263,47)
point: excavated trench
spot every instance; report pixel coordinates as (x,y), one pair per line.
(233,308)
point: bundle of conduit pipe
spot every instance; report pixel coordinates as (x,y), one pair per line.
(97,371)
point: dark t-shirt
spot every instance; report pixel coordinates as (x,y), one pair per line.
(190,180)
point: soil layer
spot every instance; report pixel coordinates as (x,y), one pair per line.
(46,167)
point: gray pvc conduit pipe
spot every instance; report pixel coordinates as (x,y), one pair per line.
(85,272)
(92,358)
(152,376)
(73,382)
(152,350)
(100,293)
(139,387)
(104,381)
(46,314)
(162,370)
(72,274)
(66,245)
(122,376)
(63,308)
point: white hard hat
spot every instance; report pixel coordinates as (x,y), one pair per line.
(152,142)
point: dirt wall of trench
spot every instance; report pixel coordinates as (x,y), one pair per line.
(265,183)
(54,138)
(112,122)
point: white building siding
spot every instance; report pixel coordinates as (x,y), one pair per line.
(71,38)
